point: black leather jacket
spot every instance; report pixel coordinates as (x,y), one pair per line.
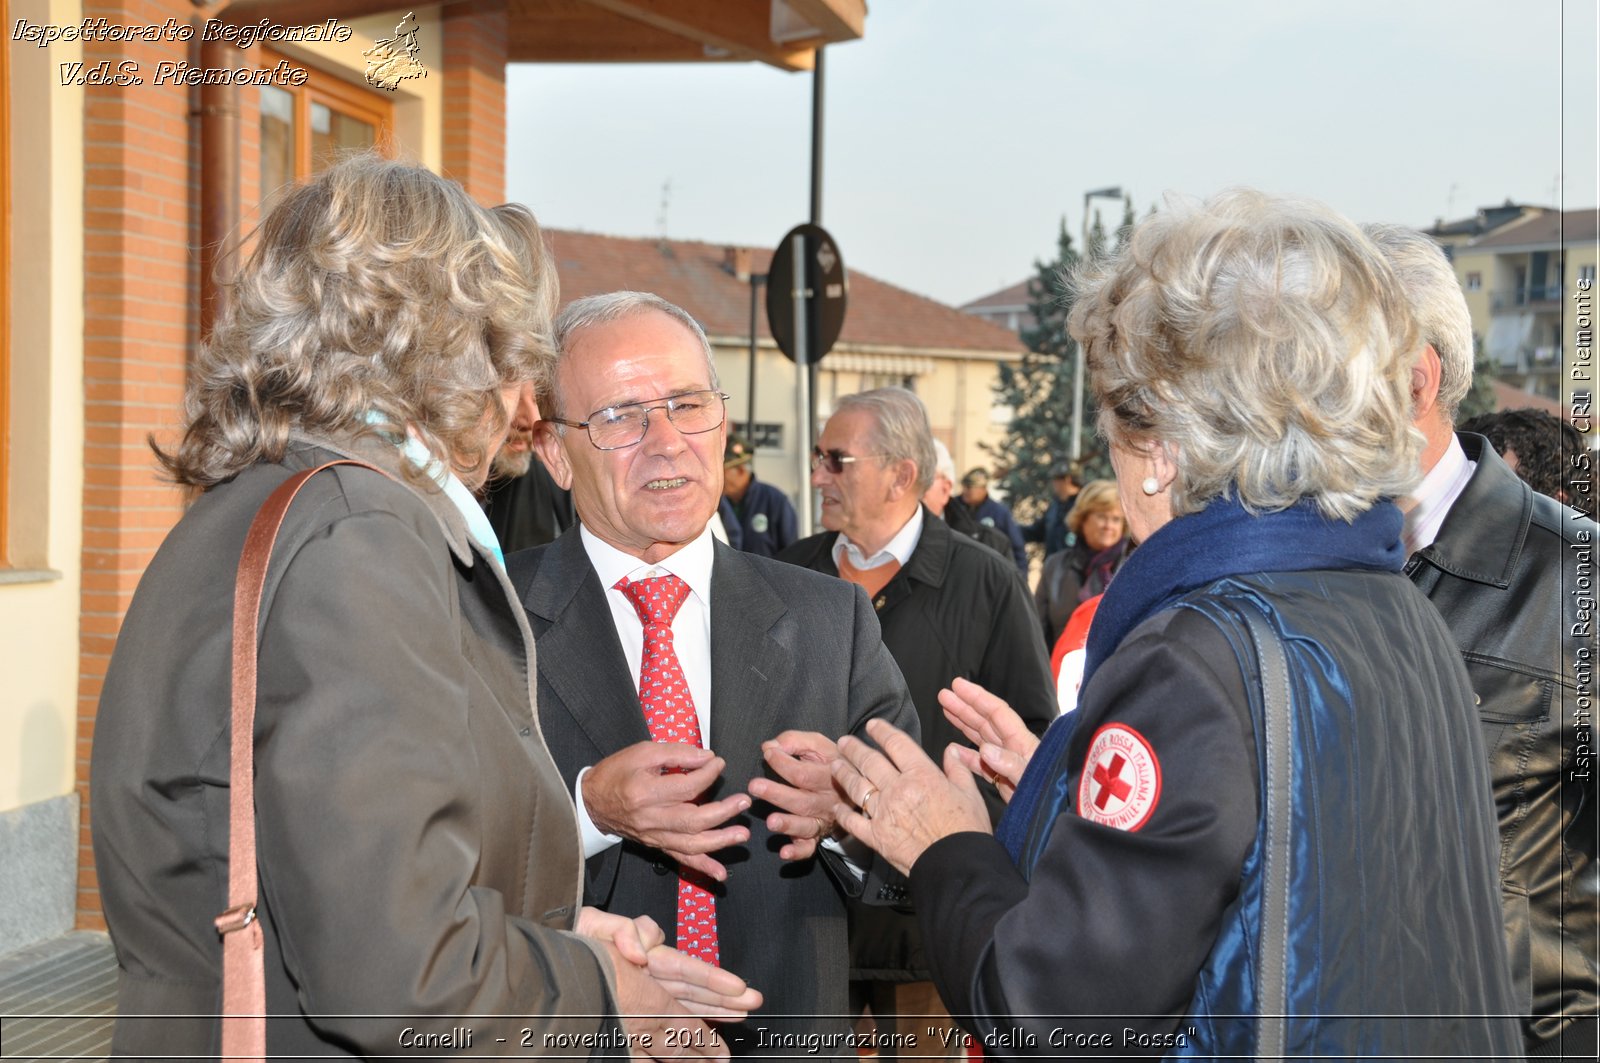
(1513,574)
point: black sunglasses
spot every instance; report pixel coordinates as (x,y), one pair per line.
(835,460)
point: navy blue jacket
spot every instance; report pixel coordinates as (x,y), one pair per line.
(767,517)
(1051,529)
(1140,925)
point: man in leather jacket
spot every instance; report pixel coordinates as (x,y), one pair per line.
(1512,573)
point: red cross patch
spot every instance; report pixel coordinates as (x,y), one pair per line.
(1121,780)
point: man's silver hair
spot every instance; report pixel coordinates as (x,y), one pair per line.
(1437,304)
(594,310)
(900,428)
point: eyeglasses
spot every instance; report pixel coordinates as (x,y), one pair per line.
(620,427)
(835,460)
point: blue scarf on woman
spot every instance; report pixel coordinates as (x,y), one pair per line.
(1188,553)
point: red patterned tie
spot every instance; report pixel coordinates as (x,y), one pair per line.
(670,716)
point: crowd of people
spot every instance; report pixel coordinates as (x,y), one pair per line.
(566,735)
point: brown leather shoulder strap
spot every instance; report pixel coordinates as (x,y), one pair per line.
(244,987)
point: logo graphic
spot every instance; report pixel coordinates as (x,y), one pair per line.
(391,61)
(826,257)
(759,523)
(1121,780)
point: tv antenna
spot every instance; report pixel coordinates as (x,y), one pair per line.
(666,204)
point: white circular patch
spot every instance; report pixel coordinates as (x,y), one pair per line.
(1121,780)
(759,523)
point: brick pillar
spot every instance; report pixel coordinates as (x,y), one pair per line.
(140,295)
(475,36)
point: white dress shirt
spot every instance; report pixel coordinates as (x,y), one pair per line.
(899,548)
(1434,496)
(691,636)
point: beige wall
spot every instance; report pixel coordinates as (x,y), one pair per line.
(959,394)
(1482,263)
(39,592)
(775,402)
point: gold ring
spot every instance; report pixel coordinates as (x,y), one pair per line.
(869,796)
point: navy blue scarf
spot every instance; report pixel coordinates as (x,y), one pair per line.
(1188,553)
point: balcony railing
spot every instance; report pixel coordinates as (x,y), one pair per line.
(1538,295)
(1530,360)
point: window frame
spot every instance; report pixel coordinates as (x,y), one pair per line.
(338,95)
(5,292)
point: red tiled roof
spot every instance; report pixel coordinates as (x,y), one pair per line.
(693,275)
(1012,295)
(1508,397)
(1573,227)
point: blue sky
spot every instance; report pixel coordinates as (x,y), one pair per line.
(958,133)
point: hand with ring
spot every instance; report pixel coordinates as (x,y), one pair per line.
(900,802)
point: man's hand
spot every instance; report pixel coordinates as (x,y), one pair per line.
(700,988)
(634,938)
(656,1025)
(1004,742)
(804,759)
(647,792)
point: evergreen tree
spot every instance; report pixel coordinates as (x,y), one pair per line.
(1480,397)
(1038,389)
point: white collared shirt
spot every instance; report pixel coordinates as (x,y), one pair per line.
(691,636)
(1433,497)
(899,548)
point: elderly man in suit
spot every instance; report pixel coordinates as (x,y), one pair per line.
(673,672)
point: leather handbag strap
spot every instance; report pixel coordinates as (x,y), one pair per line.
(1273,967)
(244,986)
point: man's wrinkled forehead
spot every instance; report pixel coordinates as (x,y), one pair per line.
(597,358)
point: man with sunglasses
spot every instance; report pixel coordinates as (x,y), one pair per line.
(949,608)
(674,672)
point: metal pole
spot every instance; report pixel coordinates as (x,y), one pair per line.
(816,139)
(806,424)
(802,401)
(1114,191)
(750,410)
(1076,450)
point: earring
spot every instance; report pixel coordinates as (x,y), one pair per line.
(1150,485)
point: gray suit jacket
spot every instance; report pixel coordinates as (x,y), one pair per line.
(790,649)
(418,856)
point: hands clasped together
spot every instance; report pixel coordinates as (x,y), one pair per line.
(894,799)
(663,995)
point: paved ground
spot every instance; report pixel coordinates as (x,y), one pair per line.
(57,999)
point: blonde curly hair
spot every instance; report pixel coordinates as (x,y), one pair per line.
(1267,343)
(378,298)
(1097,496)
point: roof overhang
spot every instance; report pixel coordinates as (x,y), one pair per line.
(782,33)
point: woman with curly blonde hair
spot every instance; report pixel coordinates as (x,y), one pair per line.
(1266,831)
(418,861)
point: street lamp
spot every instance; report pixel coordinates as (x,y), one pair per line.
(1114,192)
